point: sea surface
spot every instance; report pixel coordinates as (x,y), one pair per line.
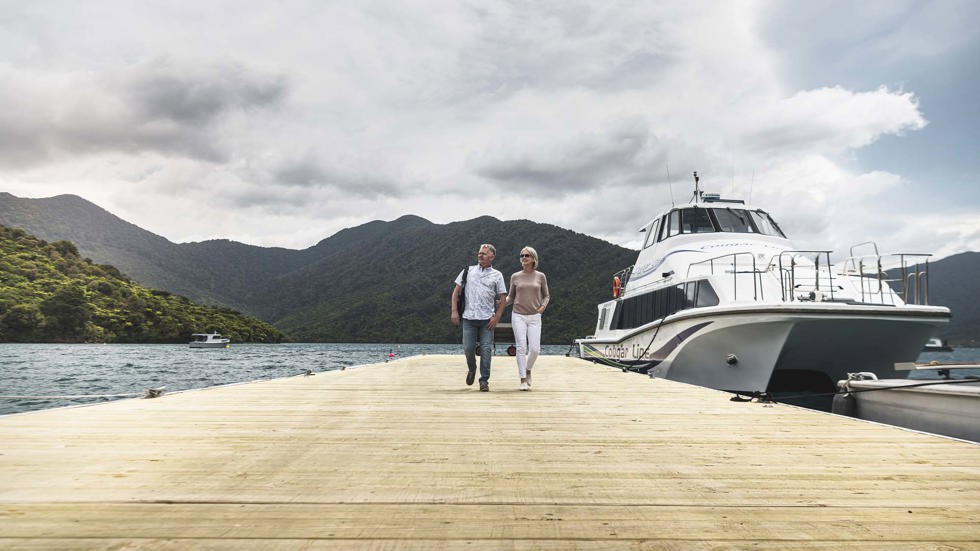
(42,376)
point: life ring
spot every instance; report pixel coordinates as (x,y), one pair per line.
(616,287)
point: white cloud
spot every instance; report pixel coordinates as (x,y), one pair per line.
(304,118)
(157,106)
(830,121)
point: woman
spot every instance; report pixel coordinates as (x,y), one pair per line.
(529,297)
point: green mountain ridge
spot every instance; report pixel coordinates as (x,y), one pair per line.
(377,282)
(49,293)
(386,281)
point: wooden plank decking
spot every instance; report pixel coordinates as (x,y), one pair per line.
(405,456)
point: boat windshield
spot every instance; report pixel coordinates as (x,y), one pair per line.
(765,224)
(711,220)
(733,220)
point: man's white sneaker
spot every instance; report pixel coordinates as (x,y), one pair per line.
(525,386)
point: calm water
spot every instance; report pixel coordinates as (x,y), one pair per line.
(958,355)
(49,372)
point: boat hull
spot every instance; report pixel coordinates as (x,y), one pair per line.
(947,409)
(771,349)
(209,345)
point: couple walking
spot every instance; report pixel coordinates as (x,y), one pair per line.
(484,299)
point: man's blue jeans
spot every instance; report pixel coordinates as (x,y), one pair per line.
(472,328)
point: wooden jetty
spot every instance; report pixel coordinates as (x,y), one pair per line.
(405,456)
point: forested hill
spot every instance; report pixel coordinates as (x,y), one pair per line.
(954,282)
(219,272)
(386,281)
(392,281)
(49,293)
(377,282)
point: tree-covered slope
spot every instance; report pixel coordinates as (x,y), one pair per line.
(218,272)
(385,281)
(954,282)
(393,283)
(49,293)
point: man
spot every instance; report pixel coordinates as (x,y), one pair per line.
(485,297)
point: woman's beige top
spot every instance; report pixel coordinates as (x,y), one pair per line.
(528,292)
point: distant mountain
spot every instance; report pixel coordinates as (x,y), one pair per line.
(955,282)
(49,293)
(387,281)
(378,282)
(212,272)
(400,274)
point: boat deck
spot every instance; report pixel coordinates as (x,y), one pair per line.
(405,456)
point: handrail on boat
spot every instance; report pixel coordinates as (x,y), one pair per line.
(757,288)
(624,277)
(921,295)
(788,271)
(794,271)
(872,243)
(915,284)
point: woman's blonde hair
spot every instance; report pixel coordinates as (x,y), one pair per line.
(533,253)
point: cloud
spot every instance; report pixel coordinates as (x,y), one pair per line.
(565,146)
(159,106)
(350,177)
(867,37)
(830,121)
(192,95)
(568,113)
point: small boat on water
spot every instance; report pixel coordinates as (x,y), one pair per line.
(936,344)
(209,340)
(720,297)
(948,405)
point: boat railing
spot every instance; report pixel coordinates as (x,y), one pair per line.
(806,271)
(809,276)
(623,276)
(729,263)
(877,271)
(802,275)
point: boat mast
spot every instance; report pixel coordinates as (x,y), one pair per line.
(697,188)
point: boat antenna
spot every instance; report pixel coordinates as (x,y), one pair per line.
(670,187)
(697,187)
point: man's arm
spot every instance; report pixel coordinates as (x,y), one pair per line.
(501,305)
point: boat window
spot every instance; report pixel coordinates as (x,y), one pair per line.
(706,295)
(765,223)
(699,294)
(691,292)
(674,226)
(651,236)
(696,220)
(733,220)
(642,309)
(663,228)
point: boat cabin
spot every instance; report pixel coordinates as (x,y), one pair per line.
(700,219)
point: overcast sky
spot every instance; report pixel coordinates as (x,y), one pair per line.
(281,123)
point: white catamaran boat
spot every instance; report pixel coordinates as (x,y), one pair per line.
(719,297)
(209,340)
